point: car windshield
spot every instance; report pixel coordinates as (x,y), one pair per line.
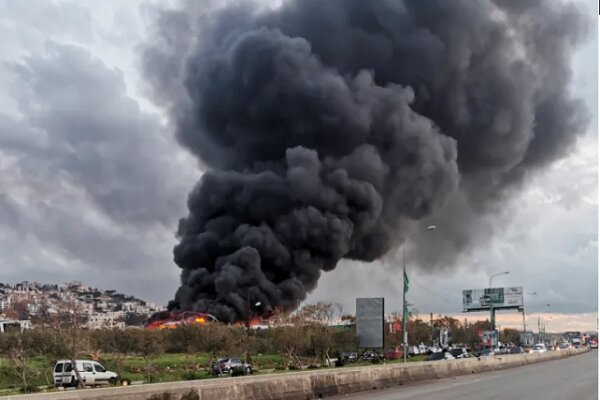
(58,367)
(99,368)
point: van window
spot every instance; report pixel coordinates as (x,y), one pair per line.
(99,368)
(68,367)
(58,367)
(87,367)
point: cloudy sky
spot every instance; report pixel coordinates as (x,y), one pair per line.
(92,181)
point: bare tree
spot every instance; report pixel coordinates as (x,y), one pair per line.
(118,343)
(19,347)
(67,321)
(289,337)
(318,319)
(149,343)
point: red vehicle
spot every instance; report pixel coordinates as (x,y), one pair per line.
(394,353)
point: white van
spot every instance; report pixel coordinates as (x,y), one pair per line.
(92,373)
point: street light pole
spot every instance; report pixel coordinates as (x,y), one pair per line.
(248,323)
(404,304)
(492,311)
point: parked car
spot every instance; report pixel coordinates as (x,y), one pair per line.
(487,353)
(414,351)
(538,348)
(92,373)
(230,366)
(394,353)
(442,355)
(433,349)
(593,344)
(459,353)
(345,357)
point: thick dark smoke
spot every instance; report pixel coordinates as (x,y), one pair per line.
(328,128)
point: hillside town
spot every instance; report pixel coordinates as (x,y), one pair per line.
(28,303)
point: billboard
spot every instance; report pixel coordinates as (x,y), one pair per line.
(488,338)
(369,322)
(500,298)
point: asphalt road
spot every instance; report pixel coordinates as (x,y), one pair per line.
(573,378)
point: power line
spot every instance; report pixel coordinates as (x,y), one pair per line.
(430,291)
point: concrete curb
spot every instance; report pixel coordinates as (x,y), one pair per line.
(308,384)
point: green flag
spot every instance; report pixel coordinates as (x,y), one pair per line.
(405,282)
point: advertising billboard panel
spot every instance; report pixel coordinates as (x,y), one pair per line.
(369,322)
(500,298)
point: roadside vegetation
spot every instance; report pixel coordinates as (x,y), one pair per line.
(303,340)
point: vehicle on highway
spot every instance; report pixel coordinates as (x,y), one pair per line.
(230,366)
(442,355)
(563,346)
(538,348)
(593,344)
(516,350)
(394,353)
(92,373)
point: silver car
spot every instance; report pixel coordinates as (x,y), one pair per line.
(230,366)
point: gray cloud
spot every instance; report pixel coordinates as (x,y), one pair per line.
(403,99)
(90,217)
(90,185)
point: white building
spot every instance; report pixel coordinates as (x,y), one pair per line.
(8,324)
(111,319)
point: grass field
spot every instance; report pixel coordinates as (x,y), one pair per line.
(163,368)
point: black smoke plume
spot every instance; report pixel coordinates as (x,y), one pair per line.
(327,128)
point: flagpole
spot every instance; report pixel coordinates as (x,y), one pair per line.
(404,324)
(405,288)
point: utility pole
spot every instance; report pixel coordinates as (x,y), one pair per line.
(523,312)
(431,324)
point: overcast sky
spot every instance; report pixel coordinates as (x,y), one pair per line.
(92,182)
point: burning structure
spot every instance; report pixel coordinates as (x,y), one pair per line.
(173,319)
(327,129)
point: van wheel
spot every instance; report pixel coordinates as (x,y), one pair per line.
(112,381)
(74,383)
